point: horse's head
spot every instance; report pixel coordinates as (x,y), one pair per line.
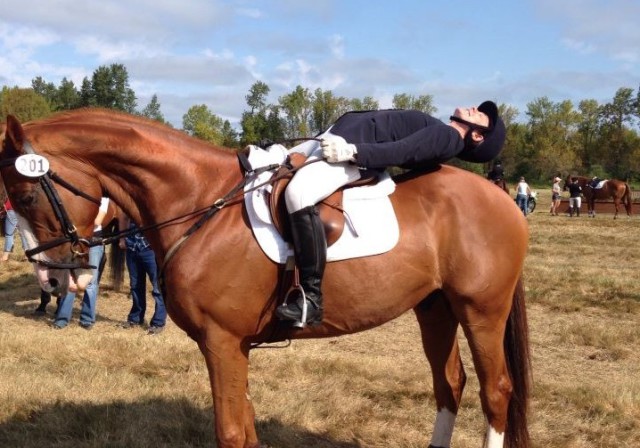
(55,223)
(567,182)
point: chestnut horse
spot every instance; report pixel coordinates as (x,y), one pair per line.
(611,188)
(452,265)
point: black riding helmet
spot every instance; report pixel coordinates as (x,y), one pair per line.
(494,135)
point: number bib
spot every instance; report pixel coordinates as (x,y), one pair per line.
(32,165)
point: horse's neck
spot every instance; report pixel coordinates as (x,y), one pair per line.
(158,182)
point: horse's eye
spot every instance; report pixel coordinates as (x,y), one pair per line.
(27,200)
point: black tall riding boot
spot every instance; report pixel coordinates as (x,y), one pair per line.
(310,251)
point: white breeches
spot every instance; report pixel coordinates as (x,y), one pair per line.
(318,180)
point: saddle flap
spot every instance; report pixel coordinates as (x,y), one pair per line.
(330,209)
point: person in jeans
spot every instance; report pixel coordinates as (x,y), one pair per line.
(141,262)
(10,226)
(88,310)
(522,195)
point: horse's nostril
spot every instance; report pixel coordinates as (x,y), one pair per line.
(53,282)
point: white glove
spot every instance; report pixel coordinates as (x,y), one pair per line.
(335,149)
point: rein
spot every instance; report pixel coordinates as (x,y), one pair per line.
(236,193)
(70,233)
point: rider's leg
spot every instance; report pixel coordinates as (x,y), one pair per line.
(310,249)
(571,202)
(310,185)
(578,204)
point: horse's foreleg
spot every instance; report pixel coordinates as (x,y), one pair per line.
(438,326)
(228,366)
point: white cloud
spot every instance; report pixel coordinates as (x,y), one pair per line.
(105,51)
(578,46)
(252,13)
(336,44)
(610,28)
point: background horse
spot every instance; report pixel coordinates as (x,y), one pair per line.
(611,188)
(451,265)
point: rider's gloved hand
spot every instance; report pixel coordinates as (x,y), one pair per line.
(335,149)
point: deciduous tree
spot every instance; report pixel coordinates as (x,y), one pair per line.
(24,104)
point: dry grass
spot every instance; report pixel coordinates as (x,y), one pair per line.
(114,388)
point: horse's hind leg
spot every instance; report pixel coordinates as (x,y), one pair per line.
(484,327)
(439,326)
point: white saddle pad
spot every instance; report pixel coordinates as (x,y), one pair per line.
(600,184)
(371,226)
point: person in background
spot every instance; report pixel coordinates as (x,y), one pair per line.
(497,172)
(575,198)
(555,196)
(10,227)
(88,310)
(45,299)
(141,260)
(522,195)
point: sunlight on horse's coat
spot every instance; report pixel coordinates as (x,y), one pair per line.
(222,290)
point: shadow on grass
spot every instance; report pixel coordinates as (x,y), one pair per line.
(153,423)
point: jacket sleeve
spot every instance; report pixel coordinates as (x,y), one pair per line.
(432,144)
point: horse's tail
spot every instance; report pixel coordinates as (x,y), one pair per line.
(518,355)
(627,198)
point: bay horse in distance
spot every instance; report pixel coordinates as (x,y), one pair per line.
(450,266)
(611,188)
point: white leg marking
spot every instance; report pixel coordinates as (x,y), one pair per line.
(495,439)
(443,429)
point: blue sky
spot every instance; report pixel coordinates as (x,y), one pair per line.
(210,52)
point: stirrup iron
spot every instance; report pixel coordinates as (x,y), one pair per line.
(303,318)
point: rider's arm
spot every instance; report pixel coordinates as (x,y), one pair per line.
(102,212)
(429,145)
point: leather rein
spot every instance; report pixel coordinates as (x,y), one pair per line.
(80,246)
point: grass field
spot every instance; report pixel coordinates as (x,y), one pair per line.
(111,387)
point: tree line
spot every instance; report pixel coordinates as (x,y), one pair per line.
(557,138)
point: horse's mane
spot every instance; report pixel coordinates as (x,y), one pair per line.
(96,113)
(111,118)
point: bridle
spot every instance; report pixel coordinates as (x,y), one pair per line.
(79,246)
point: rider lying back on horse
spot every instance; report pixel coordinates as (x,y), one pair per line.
(373,140)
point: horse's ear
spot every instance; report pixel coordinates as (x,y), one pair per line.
(13,138)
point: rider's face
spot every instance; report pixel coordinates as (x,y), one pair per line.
(472,115)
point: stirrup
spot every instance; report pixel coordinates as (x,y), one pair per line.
(303,297)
